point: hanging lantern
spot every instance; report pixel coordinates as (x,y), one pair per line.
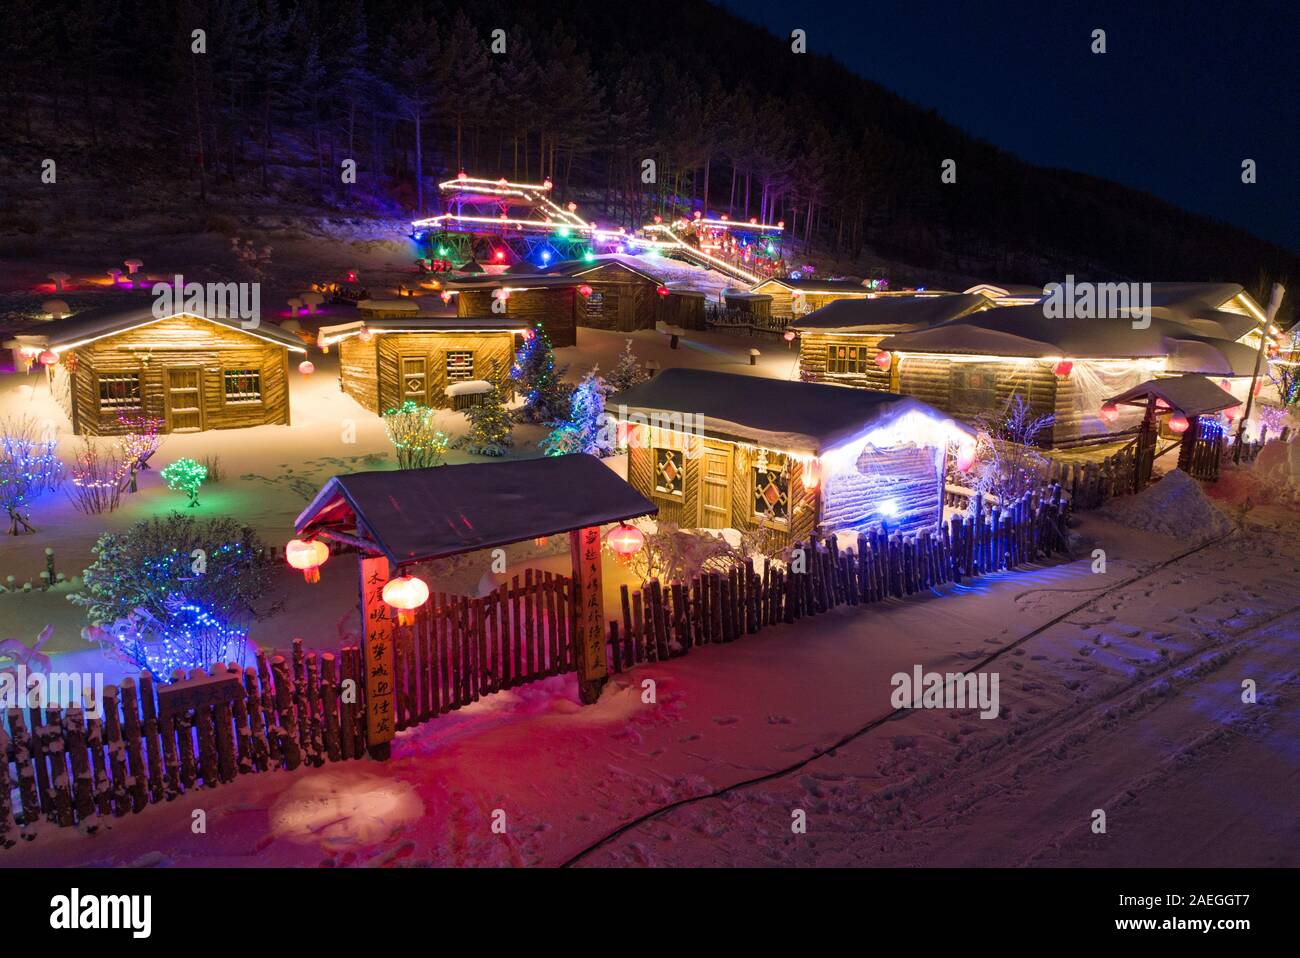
(1259,386)
(663,290)
(48,357)
(965,456)
(306,368)
(1063,368)
(788,335)
(1162,403)
(462,175)
(1232,412)
(1109,412)
(884,360)
(625,540)
(572,206)
(406,593)
(1178,423)
(812,474)
(546,183)
(585,290)
(365,335)
(307,557)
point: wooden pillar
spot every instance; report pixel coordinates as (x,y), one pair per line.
(589,612)
(377,628)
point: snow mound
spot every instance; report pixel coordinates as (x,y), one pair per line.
(1175,506)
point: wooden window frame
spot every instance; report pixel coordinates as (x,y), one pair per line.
(447,367)
(679,460)
(784,474)
(854,362)
(100,378)
(241,370)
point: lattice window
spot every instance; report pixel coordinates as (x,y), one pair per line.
(972,387)
(119,391)
(460,365)
(848,359)
(242,385)
(772,488)
(670,471)
(595,303)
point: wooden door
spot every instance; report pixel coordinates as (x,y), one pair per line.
(184,399)
(715,488)
(626,310)
(415,379)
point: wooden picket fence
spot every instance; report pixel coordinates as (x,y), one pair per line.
(729,319)
(660,622)
(461,648)
(153,744)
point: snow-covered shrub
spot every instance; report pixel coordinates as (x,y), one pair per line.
(412,431)
(1008,462)
(217,564)
(29,469)
(99,478)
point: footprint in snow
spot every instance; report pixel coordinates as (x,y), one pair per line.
(726,719)
(778,720)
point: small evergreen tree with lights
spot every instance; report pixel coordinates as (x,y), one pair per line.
(490,423)
(627,371)
(588,428)
(546,397)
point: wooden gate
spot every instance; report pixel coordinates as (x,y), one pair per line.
(1201,449)
(462,648)
(184,399)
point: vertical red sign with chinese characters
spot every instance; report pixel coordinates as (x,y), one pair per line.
(590,614)
(377,623)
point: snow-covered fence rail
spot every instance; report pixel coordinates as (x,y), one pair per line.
(463,648)
(73,767)
(660,622)
(731,319)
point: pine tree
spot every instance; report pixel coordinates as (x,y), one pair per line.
(546,396)
(587,429)
(627,372)
(490,423)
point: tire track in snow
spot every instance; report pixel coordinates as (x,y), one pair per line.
(820,751)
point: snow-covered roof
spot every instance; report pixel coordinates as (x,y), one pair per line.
(818,285)
(1026,331)
(1007,290)
(327,335)
(93,324)
(888,313)
(511,280)
(415,515)
(580,267)
(390,305)
(805,418)
(1194,395)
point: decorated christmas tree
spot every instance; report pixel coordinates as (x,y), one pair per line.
(587,429)
(490,423)
(627,371)
(545,394)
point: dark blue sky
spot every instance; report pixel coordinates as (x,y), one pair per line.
(1186,91)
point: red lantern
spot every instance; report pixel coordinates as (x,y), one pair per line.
(406,593)
(546,183)
(445,295)
(625,540)
(1259,386)
(663,291)
(1232,412)
(48,357)
(306,368)
(1109,412)
(584,289)
(788,335)
(884,360)
(1063,368)
(462,175)
(812,474)
(1162,403)
(500,255)
(307,557)
(1178,423)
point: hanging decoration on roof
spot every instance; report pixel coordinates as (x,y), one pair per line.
(1109,412)
(1062,369)
(307,557)
(884,360)
(406,593)
(624,540)
(1178,423)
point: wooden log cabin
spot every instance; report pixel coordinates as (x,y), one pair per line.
(530,299)
(189,371)
(394,354)
(794,297)
(1066,367)
(716,450)
(840,342)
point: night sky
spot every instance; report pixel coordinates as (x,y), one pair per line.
(1184,93)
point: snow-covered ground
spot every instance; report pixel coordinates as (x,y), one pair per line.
(1121,690)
